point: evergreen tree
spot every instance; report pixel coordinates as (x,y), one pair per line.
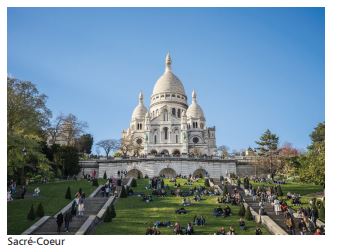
(207,183)
(246,183)
(95,182)
(107,215)
(248,214)
(68,194)
(40,211)
(105,175)
(113,213)
(321,211)
(242,210)
(225,191)
(31,213)
(134,182)
(123,192)
(268,150)
(279,191)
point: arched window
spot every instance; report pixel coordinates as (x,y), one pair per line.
(179,113)
(157,112)
(165,115)
(155,139)
(166,133)
(176,138)
(173,111)
(140,127)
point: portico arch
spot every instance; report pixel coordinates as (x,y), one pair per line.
(168,173)
(201,173)
(134,173)
(176,152)
(164,152)
(153,152)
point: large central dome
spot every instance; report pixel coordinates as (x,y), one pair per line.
(168,82)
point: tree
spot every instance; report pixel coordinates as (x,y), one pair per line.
(31,213)
(71,129)
(268,150)
(242,210)
(223,151)
(27,119)
(68,158)
(123,193)
(248,214)
(108,145)
(85,143)
(134,182)
(288,159)
(108,216)
(105,175)
(68,194)
(40,210)
(126,145)
(113,213)
(312,168)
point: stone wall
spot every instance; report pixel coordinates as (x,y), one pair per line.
(154,166)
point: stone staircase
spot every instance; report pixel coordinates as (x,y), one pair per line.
(92,207)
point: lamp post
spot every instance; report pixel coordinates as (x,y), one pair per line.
(24,153)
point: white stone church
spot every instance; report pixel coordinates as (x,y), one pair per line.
(170,126)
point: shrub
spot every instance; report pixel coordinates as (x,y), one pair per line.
(207,183)
(134,183)
(68,193)
(246,183)
(139,175)
(105,175)
(321,211)
(95,182)
(146,176)
(31,213)
(107,215)
(238,182)
(242,210)
(248,214)
(279,191)
(225,190)
(113,213)
(40,210)
(123,192)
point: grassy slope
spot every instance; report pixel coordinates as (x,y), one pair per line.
(52,197)
(134,215)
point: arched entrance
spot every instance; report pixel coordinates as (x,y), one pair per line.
(134,173)
(153,152)
(176,152)
(168,173)
(164,152)
(201,173)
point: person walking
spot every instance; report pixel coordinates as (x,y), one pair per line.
(67,219)
(59,221)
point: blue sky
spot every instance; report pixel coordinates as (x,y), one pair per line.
(252,68)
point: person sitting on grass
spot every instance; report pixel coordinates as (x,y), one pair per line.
(221,231)
(189,229)
(181,211)
(227,211)
(218,211)
(258,231)
(186,202)
(242,224)
(177,228)
(231,231)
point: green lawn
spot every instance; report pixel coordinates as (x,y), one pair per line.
(300,188)
(52,197)
(134,215)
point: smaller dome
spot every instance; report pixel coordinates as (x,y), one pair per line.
(194,110)
(140,111)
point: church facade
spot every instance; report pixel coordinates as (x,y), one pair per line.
(170,126)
